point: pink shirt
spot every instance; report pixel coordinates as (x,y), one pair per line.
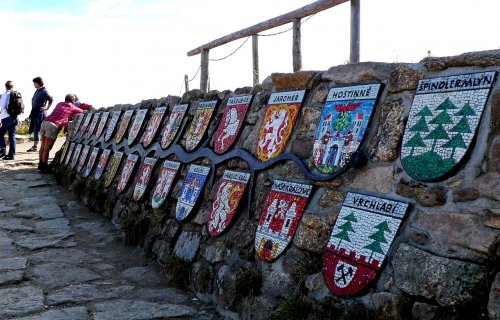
(62,113)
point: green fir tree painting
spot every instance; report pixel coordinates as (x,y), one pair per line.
(378,237)
(466,111)
(456,142)
(346,228)
(415,142)
(436,134)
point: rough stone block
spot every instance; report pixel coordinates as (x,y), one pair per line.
(492,218)
(488,186)
(494,158)
(390,306)
(480,59)
(389,131)
(20,301)
(312,234)
(494,299)
(214,253)
(330,198)
(427,197)
(296,80)
(187,245)
(424,311)
(465,194)
(404,78)
(359,72)
(376,180)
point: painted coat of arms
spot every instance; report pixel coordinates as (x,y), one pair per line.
(112,125)
(165,181)
(85,125)
(83,158)
(173,124)
(69,154)
(90,163)
(64,152)
(443,121)
(101,165)
(364,231)
(93,125)
(281,113)
(230,125)
(102,124)
(342,125)
(122,128)
(144,175)
(128,169)
(227,196)
(191,189)
(76,156)
(199,124)
(153,125)
(136,125)
(79,119)
(114,164)
(280,217)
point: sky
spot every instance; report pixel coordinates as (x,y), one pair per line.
(124,51)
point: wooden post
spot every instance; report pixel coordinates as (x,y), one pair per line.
(186,82)
(255,59)
(204,70)
(355,30)
(296,49)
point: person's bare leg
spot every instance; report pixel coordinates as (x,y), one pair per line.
(48,144)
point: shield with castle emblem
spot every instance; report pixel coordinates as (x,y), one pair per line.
(280,217)
(114,164)
(93,125)
(165,182)
(362,236)
(110,130)
(101,165)
(83,158)
(191,189)
(342,125)
(199,124)
(127,170)
(136,125)
(443,122)
(78,121)
(90,163)
(230,124)
(122,128)
(144,175)
(102,124)
(173,124)
(153,125)
(76,155)
(281,113)
(85,125)
(227,196)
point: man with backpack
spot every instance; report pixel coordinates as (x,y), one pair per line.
(40,103)
(11,105)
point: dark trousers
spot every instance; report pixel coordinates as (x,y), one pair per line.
(9,125)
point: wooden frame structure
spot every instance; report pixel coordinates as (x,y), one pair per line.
(292,16)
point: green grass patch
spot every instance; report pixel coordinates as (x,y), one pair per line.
(248,283)
(177,271)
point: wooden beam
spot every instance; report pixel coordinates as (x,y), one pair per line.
(296,48)
(305,11)
(204,71)
(186,82)
(355,30)
(255,59)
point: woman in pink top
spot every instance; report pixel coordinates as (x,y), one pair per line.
(51,126)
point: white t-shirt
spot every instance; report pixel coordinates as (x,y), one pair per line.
(4,102)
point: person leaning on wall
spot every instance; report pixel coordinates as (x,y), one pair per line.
(40,103)
(51,126)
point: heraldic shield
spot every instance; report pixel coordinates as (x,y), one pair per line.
(114,164)
(115,117)
(93,125)
(280,217)
(64,152)
(443,122)
(165,182)
(144,175)
(127,170)
(101,165)
(191,189)
(359,242)
(136,126)
(342,125)
(153,125)
(102,124)
(281,113)
(85,124)
(230,124)
(83,158)
(199,124)
(76,156)
(122,129)
(90,163)
(227,196)
(173,124)
(69,154)
(78,119)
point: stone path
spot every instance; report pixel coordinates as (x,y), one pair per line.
(58,261)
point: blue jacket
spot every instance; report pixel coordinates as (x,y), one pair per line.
(40,98)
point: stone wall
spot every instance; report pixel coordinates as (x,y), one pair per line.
(443,264)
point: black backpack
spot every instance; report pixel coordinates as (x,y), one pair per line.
(16,104)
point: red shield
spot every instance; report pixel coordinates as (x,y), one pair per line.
(281,113)
(144,175)
(93,125)
(90,162)
(122,129)
(199,124)
(103,161)
(114,164)
(165,182)
(230,125)
(173,124)
(362,235)
(83,158)
(102,124)
(136,125)
(76,155)
(112,125)
(128,169)
(227,196)
(280,218)
(153,125)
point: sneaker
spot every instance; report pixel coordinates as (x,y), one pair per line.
(8,158)
(32,149)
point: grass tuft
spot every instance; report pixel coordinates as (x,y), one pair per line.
(248,283)
(177,270)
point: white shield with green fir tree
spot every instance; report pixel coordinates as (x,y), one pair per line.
(442,123)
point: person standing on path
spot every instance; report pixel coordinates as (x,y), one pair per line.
(40,103)
(51,126)
(8,124)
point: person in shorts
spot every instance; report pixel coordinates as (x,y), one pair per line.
(51,126)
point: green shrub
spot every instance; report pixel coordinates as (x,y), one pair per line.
(248,283)
(297,309)
(177,270)
(135,226)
